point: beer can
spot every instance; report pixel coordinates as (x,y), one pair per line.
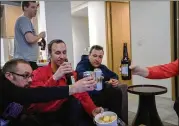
(87,73)
(98,78)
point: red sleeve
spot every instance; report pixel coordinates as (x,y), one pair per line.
(164,71)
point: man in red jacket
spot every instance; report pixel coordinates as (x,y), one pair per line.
(66,111)
(159,72)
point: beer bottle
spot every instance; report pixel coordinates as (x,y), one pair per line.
(125,63)
(69,77)
(43,44)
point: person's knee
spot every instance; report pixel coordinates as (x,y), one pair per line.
(76,110)
(76,103)
(75,106)
(116,92)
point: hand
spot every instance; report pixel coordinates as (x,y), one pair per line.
(136,70)
(42,34)
(62,70)
(83,85)
(97,111)
(114,82)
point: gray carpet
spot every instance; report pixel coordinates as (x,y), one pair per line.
(131,116)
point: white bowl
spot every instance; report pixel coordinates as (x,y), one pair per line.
(106,113)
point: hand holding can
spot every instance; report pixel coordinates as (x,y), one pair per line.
(89,73)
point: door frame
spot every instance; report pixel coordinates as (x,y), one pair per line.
(109,35)
(175,44)
(109,39)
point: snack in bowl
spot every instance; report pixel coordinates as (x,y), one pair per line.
(107,119)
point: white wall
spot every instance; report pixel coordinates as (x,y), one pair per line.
(59,23)
(97,27)
(7,48)
(42,26)
(2,52)
(150,36)
(80,37)
(41,17)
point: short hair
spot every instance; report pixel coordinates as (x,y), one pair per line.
(96,47)
(26,4)
(11,65)
(52,42)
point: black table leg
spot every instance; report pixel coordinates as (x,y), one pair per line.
(147,113)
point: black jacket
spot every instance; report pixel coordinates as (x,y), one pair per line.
(16,98)
(85,65)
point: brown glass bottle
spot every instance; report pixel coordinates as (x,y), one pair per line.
(125,63)
(42,43)
(69,77)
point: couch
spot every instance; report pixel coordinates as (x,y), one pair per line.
(124,111)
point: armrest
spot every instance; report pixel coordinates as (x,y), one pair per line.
(124,111)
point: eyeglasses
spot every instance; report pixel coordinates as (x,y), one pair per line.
(25,76)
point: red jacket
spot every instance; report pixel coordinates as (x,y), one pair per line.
(164,71)
(43,77)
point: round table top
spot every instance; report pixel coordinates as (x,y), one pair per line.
(147,89)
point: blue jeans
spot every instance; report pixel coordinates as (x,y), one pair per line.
(4,122)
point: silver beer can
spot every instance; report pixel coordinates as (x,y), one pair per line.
(98,78)
(87,73)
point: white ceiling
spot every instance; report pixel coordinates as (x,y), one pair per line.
(77,3)
(80,13)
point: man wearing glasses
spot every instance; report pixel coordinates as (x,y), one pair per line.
(16,95)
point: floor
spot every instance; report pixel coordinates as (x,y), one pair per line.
(164,108)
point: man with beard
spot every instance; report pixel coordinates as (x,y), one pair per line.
(26,39)
(16,95)
(69,111)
